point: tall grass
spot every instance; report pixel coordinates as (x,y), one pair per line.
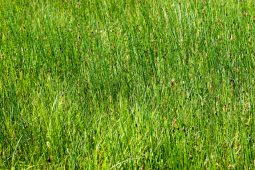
(127,84)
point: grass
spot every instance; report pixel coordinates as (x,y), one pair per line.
(127,84)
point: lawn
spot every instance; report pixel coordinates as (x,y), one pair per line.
(127,84)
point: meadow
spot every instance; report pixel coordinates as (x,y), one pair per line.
(127,84)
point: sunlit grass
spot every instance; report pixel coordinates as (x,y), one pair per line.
(127,84)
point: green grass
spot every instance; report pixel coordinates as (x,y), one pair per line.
(127,84)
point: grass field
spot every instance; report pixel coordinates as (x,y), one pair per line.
(127,84)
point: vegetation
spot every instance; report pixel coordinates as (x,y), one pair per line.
(127,84)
